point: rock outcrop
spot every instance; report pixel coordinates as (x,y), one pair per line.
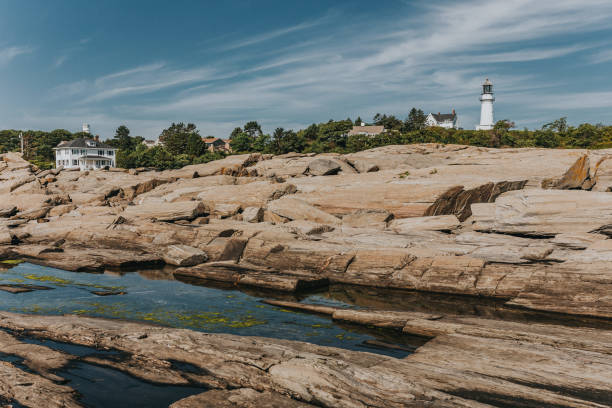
(446,219)
(527,227)
(469,362)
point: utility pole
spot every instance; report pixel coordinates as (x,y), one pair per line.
(21,139)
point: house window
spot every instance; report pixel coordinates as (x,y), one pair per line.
(75,162)
(100,152)
(111,153)
(83,152)
(75,151)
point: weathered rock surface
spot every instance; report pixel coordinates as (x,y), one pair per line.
(545,213)
(470,362)
(433,223)
(240,398)
(253,214)
(323,167)
(295,209)
(184,255)
(161,211)
(406,226)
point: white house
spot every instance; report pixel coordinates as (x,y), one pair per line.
(85,154)
(445,120)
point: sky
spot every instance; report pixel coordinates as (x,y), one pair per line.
(146,64)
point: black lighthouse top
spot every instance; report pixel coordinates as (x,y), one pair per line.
(487,87)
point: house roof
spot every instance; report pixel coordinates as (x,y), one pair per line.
(82,142)
(372,130)
(443,117)
(210,140)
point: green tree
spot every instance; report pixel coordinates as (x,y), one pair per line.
(253,129)
(241,142)
(122,139)
(195,145)
(261,143)
(237,131)
(175,137)
(415,121)
(285,141)
(559,125)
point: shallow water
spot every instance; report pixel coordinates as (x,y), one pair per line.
(150,298)
(106,387)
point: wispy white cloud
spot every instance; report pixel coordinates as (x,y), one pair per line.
(382,66)
(128,72)
(9,53)
(59,61)
(139,80)
(602,56)
(275,34)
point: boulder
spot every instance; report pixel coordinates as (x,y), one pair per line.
(163,211)
(433,223)
(183,255)
(324,167)
(576,176)
(252,214)
(33,214)
(458,201)
(8,211)
(545,213)
(295,209)
(225,210)
(603,175)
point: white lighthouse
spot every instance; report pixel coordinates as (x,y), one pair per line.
(486,106)
(86,128)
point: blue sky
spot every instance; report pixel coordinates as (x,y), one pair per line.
(146,64)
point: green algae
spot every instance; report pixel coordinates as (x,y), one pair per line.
(67,282)
(11,261)
(190,319)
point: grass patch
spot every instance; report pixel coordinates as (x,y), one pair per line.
(404,174)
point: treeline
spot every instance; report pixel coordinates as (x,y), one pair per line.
(333,136)
(38,145)
(181,144)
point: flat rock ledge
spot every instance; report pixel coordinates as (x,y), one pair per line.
(470,362)
(530,226)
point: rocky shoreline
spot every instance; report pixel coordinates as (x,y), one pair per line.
(529,227)
(470,362)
